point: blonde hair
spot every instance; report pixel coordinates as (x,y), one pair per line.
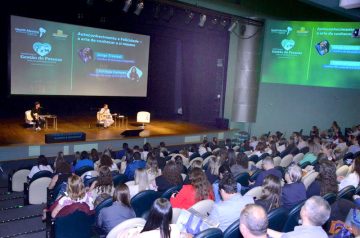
(75,188)
(141,179)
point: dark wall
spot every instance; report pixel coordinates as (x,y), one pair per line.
(183,69)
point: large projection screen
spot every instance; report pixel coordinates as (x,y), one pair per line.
(50,58)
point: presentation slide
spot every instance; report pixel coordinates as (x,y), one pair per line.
(323,54)
(49,58)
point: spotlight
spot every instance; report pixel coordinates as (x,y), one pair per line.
(190,17)
(202,20)
(139,8)
(127,5)
(233,25)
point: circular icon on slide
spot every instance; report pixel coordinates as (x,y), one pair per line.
(134,73)
(86,54)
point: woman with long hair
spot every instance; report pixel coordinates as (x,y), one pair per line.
(118,212)
(326,180)
(152,168)
(353,178)
(103,183)
(199,189)
(105,160)
(212,172)
(63,172)
(270,194)
(141,182)
(170,177)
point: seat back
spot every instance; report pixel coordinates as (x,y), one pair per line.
(203,207)
(205,155)
(277,218)
(277,161)
(263,156)
(259,164)
(130,223)
(18,179)
(210,233)
(233,230)
(255,174)
(106,203)
(346,193)
(167,194)
(330,197)
(281,169)
(342,171)
(41,174)
(196,159)
(82,170)
(254,192)
(298,157)
(304,150)
(143,201)
(76,225)
(293,218)
(38,190)
(28,117)
(243,179)
(309,178)
(119,179)
(254,158)
(304,165)
(286,161)
(194,155)
(176,213)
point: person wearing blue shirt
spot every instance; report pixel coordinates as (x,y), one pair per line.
(294,191)
(269,168)
(84,161)
(121,153)
(137,163)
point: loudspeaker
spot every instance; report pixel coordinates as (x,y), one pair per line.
(65,137)
(222,123)
(131,133)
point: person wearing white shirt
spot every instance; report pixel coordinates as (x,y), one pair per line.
(353,178)
(105,116)
(42,164)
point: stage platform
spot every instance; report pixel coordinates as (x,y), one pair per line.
(19,142)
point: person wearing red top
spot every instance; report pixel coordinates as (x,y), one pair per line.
(199,189)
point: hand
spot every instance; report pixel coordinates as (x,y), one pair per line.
(251,182)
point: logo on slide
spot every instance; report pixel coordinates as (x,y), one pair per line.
(287,44)
(42,31)
(42,49)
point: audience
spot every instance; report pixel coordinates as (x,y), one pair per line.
(269,168)
(137,163)
(199,189)
(253,222)
(353,177)
(41,165)
(103,183)
(227,211)
(119,211)
(171,176)
(294,191)
(270,194)
(314,213)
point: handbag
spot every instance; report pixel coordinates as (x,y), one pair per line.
(340,230)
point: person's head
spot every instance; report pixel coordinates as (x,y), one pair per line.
(106,161)
(107,152)
(268,163)
(356,165)
(253,221)
(242,160)
(172,173)
(162,144)
(75,188)
(122,195)
(196,164)
(273,147)
(136,148)
(147,147)
(136,156)
(185,152)
(315,212)
(227,187)
(104,180)
(179,161)
(59,159)
(160,217)
(141,179)
(84,155)
(106,106)
(224,170)
(94,155)
(42,160)
(260,146)
(152,164)
(77,155)
(327,177)
(335,125)
(341,139)
(253,138)
(37,105)
(63,167)
(133,69)
(293,174)
(271,190)
(201,184)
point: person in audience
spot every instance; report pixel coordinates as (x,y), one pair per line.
(214,143)
(179,161)
(227,211)
(314,213)
(224,170)
(253,142)
(41,165)
(253,222)
(152,168)
(94,155)
(63,172)
(119,211)
(314,132)
(354,147)
(291,146)
(84,161)
(259,149)
(203,148)
(194,164)
(75,193)
(246,146)
(185,156)
(240,164)
(106,160)
(159,157)
(171,176)
(103,183)
(273,148)
(158,224)
(228,143)
(325,182)
(270,194)
(163,149)
(199,189)
(212,172)
(281,145)
(326,148)
(302,143)
(334,129)
(294,191)
(141,182)
(341,147)
(353,178)
(146,149)
(59,159)
(269,168)
(137,163)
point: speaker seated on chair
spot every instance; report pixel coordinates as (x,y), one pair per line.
(129,133)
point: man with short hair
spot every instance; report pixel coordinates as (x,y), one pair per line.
(227,211)
(269,168)
(253,222)
(137,163)
(314,213)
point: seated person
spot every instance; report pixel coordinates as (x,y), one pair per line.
(119,211)
(63,172)
(294,191)
(224,170)
(170,177)
(269,168)
(137,163)
(141,182)
(352,178)
(270,194)
(103,183)
(212,172)
(227,211)
(199,189)
(83,161)
(253,222)
(105,116)
(240,164)
(35,114)
(42,164)
(152,169)
(106,160)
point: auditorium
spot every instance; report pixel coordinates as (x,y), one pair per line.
(180,118)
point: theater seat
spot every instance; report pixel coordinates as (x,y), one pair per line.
(18,179)
(143,201)
(203,207)
(119,179)
(167,194)
(233,230)
(243,179)
(254,192)
(330,197)
(131,223)
(277,218)
(210,233)
(346,193)
(293,218)
(83,170)
(286,160)
(75,225)
(38,190)
(309,178)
